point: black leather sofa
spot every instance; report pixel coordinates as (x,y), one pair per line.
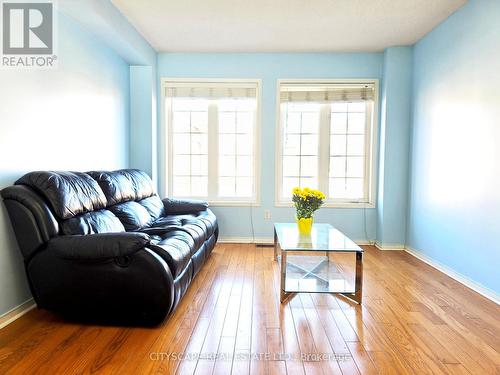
(103,247)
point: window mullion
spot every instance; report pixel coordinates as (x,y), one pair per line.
(280,145)
(213,150)
(324,148)
(368,151)
(169,135)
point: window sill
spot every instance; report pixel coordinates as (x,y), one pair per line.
(333,204)
(233,203)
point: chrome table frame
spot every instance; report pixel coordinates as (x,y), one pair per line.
(355,296)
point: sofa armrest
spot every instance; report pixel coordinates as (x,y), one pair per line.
(98,246)
(180,206)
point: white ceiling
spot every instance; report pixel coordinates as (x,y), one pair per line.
(284,25)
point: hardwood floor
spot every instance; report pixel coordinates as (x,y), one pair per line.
(414,320)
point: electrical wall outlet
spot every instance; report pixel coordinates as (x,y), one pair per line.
(267,215)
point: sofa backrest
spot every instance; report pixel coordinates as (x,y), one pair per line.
(130,196)
(68,193)
(45,204)
(76,199)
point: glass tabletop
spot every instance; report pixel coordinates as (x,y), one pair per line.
(323,237)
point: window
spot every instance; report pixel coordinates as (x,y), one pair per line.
(326,140)
(212,132)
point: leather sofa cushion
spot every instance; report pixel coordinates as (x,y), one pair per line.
(154,206)
(124,185)
(194,229)
(203,220)
(102,221)
(68,193)
(132,215)
(175,250)
(209,220)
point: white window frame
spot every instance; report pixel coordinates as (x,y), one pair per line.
(165,162)
(371,147)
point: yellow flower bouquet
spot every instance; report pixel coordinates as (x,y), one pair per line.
(306,201)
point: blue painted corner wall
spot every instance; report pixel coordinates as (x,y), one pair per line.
(395,125)
(454,204)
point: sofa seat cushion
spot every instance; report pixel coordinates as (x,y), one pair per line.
(132,215)
(175,249)
(200,225)
(193,229)
(209,220)
(154,206)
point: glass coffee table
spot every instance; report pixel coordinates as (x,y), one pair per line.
(308,263)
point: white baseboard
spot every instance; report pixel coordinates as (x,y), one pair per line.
(257,240)
(397,246)
(268,240)
(364,243)
(16,312)
(475,286)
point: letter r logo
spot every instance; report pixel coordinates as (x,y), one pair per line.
(27,28)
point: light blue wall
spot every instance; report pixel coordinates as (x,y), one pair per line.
(454,215)
(105,23)
(236,222)
(75,117)
(394,144)
(142,118)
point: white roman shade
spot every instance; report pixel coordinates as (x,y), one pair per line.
(206,90)
(326,93)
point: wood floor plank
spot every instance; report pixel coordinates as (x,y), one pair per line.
(457,369)
(20,329)
(16,349)
(258,339)
(194,346)
(313,368)
(325,353)
(303,331)
(242,345)
(472,358)
(413,320)
(53,346)
(225,356)
(361,358)
(274,344)
(387,365)
(91,342)
(441,353)
(220,315)
(277,368)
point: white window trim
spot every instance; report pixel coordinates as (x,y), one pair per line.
(165,142)
(371,147)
